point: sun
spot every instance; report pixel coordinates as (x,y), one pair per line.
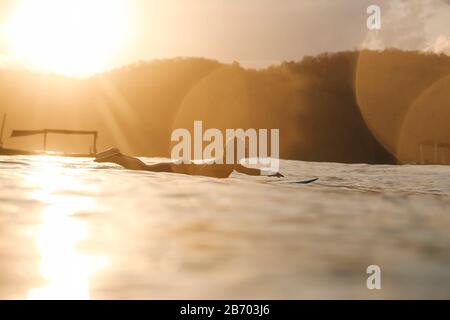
(70,37)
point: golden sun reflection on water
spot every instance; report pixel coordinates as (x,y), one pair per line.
(65,270)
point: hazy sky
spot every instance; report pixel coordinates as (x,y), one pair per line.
(262,32)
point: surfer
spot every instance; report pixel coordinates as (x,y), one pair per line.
(210,169)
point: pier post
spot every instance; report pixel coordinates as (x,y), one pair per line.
(421,153)
(45,141)
(435,153)
(1,131)
(95,144)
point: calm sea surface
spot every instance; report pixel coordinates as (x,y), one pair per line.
(72,228)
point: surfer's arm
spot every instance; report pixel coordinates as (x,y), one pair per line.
(256,172)
(249,171)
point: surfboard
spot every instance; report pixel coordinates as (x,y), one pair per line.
(305,181)
(308,181)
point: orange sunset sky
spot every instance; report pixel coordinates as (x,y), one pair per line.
(84,37)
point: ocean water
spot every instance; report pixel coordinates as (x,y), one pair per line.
(72,228)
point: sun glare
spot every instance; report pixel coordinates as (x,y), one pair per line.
(70,37)
(65,271)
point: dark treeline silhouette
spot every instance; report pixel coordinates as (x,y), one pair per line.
(358,106)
